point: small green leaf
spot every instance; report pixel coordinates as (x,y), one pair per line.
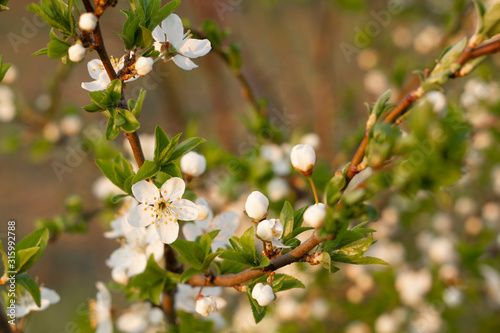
(286,218)
(147,170)
(161,142)
(151,282)
(30,286)
(37,238)
(190,251)
(258,311)
(92,108)
(186,146)
(57,49)
(189,273)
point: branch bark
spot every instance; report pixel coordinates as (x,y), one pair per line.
(5,327)
(404,105)
(230,280)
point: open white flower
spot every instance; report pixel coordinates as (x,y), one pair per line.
(138,245)
(162,207)
(97,72)
(100,310)
(226,222)
(263,294)
(140,317)
(271,231)
(25,302)
(169,36)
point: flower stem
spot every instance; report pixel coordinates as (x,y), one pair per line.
(313,188)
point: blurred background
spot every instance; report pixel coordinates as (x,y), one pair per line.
(314,64)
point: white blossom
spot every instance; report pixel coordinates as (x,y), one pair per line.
(186,297)
(311,139)
(25,302)
(7,106)
(271,231)
(169,36)
(193,164)
(144,65)
(140,317)
(257,205)
(226,222)
(315,215)
(162,207)
(98,73)
(76,52)
(412,285)
(278,188)
(71,124)
(88,22)
(100,310)
(263,294)
(303,159)
(138,244)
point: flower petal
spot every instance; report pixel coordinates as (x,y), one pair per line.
(156,249)
(145,192)
(277,243)
(173,189)
(191,231)
(194,48)
(140,216)
(168,231)
(137,264)
(226,222)
(172,27)
(95,68)
(184,63)
(203,224)
(93,86)
(184,210)
(158,35)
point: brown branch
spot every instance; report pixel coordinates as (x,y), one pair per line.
(230,280)
(404,105)
(5,327)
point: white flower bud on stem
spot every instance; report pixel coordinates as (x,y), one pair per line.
(88,22)
(263,294)
(193,164)
(315,215)
(144,65)
(205,305)
(257,205)
(303,159)
(76,52)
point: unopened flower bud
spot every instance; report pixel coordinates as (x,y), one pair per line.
(88,22)
(71,124)
(193,164)
(263,294)
(303,159)
(257,205)
(144,65)
(76,52)
(202,212)
(268,230)
(205,305)
(315,215)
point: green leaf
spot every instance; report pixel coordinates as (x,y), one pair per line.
(298,217)
(190,251)
(57,49)
(247,242)
(37,239)
(147,170)
(3,68)
(189,273)
(213,33)
(112,130)
(30,286)
(172,170)
(286,218)
(136,109)
(234,57)
(492,21)
(163,13)
(258,311)
(23,256)
(151,282)
(238,257)
(379,106)
(161,143)
(284,282)
(185,147)
(264,262)
(114,91)
(92,108)
(131,124)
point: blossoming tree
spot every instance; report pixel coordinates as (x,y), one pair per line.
(175,255)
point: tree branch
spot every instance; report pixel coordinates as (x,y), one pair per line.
(404,105)
(230,280)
